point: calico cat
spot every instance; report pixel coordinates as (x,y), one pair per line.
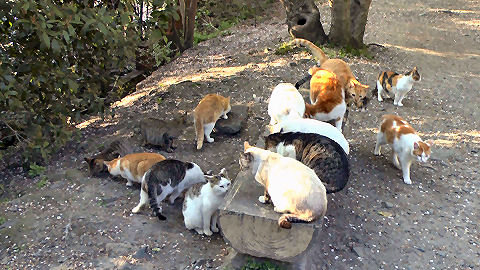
(115,149)
(161,133)
(319,153)
(169,177)
(312,126)
(200,207)
(293,188)
(326,96)
(406,144)
(354,91)
(285,102)
(133,166)
(207,112)
(390,83)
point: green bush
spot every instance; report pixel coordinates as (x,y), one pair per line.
(60,60)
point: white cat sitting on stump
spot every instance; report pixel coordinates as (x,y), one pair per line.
(406,144)
(200,207)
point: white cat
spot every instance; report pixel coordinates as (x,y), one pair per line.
(200,207)
(285,103)
(312,126)
(293,188)
(407,145)
(170,177)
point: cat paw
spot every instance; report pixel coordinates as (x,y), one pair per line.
(129,184)
(262,199)
(136,209)
(210,140)
(225,116)
(207,232)
(380,99)
(407,181)
(214,229)
(171,201)
(400,104)
(199,231)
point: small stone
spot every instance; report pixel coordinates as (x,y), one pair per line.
(235,121)
(142,253)
(292,64)
(387,205)
(442,254)
(360,251)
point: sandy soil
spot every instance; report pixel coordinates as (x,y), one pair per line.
(377,222)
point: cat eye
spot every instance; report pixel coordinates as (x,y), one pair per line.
(353,95)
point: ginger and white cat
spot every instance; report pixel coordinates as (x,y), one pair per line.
(354,90)
(397,85)
(305,125)
(326,96)
(169,177)
(200,207)
(285,103)
(406,144)
(293,188)
(206,114)
(133,166)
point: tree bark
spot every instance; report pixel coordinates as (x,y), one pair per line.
(358,14)
(190,12)
(340,27)
(303,20)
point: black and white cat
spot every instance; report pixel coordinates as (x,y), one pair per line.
(320,153)
(200,207)
(168,177)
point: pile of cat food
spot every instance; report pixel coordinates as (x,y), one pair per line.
(305,156)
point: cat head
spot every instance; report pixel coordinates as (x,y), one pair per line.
(95,166)
(422,150)
(219,183)
(358,92)
(414,73)
(111,165)
(167,141)
(246,158)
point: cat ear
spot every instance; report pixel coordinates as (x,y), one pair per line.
(415,145)
(209,172)
(414,68)
(246,145)
(88,160)
(430,143)
(223,173)
(365,86)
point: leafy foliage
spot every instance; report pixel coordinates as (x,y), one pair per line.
(62,59)
(254,265)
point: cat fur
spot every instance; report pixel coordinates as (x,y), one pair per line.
(161,133)
(305,125)
(206,114)
(200,206)
(294,189)
(169,177)
(116,148)
(285,103)
(397,85)
(319,153)
(355,92)
(133,166)
(326,97)
(406,144)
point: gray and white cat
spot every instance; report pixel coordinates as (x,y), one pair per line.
(168,177)
(320,153)
(200,207)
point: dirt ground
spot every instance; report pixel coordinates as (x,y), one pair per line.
(377,222)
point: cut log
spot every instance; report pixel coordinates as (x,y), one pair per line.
(252,228)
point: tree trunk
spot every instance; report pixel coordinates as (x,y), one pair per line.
(303,20)
(340,28)
(190,12)
(349,18)
(358,14)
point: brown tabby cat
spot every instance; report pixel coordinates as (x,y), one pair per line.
(133,166)
(206,114)
(352,87)
(326,96)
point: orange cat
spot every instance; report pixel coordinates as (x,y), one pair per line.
(407,145)
(207,112)
(326,96)
(133,166)
(353,88)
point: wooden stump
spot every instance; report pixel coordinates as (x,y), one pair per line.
(252,227)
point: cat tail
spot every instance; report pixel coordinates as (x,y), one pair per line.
(286,220)
(302,81)
(152,194)
(199,131)
(316,51)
